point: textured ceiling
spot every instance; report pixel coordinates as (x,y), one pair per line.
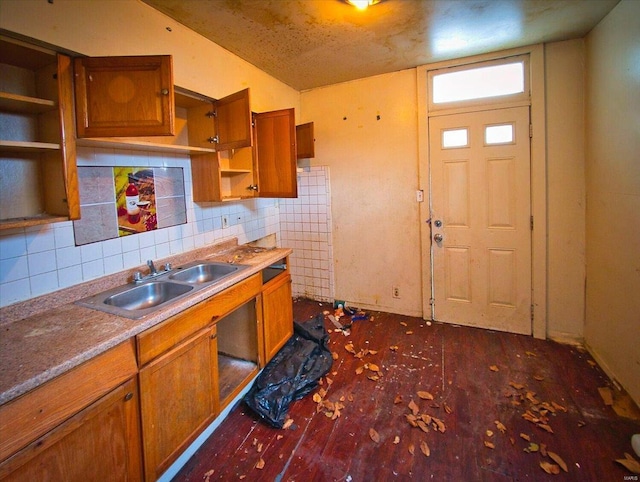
(311,43)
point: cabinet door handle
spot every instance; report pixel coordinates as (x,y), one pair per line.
(213,337)
(164,91)
(128,396)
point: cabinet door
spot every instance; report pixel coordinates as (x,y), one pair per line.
(305,142)
(277,306)
(179,398)
(275,153)
(233,121)
(124,96)
(102,442)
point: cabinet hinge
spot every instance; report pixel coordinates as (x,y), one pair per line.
(212,113)
(531,222)
(432,301)
(532,313)
(530,130)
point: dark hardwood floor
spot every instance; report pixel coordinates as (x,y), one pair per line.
(503,405)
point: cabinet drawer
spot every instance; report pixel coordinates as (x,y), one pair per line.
(30,416)
(160,338)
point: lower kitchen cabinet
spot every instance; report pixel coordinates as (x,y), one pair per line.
(179,399)
(277,309)
(101,442)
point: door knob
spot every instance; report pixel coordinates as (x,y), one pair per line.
(437,238)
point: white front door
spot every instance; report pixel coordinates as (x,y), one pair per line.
(481,219)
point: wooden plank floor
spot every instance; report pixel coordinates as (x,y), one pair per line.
(476,377)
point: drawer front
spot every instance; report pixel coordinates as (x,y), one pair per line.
(167,334)
(30,416)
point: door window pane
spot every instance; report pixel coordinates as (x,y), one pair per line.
(455,138)
(499,134)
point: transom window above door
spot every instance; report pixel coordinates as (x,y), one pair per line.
(485,83)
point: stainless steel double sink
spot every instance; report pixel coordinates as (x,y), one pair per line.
(135,301)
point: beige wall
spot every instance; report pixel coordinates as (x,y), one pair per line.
(564,85)
(130,27)
(612,329)
(374,176)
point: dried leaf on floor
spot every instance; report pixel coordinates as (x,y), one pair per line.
(538,377)
(259,448)
(606,394)
(375,378)
(359,370)
(260,463)
(517,386)
(373,367)
(288,422)
(393,348)
(334,355)
(410,332)
(423,426)
(439,424)
(349,348)
(447,408)
(530,353)
(424,448)
(317,398)
(207,475)
(494,368)
(396,440)
(412,449)
(398,399)
(558,460)
(543,449)
(412,419)
(546,427)
(532,447)
(629,463)
(374,435)
(525,436)
(500,426)
(549,468)
(373,352)
(489,445)
(425,395)
(403,323)
(558,406)
(489,433)
(413,407)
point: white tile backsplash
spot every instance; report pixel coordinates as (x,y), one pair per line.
(305,226)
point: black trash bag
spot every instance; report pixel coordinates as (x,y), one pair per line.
(292,373)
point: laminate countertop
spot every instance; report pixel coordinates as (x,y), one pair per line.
(44,337)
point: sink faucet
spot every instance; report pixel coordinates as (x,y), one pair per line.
(153,272)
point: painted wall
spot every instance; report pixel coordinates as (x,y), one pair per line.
(565,84)
(612,328)
(42,259)
(366,132)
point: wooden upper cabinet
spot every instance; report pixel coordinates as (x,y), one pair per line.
(306,148)
(233,121)
(275,153)
(124,96)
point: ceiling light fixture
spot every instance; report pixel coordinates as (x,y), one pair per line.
(362,4)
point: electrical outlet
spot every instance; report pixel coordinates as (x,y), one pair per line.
(225,222)
(395,292)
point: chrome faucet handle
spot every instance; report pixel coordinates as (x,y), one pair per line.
(152,267)
(137,277)
(167,266)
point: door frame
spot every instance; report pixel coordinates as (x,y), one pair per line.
(538,177)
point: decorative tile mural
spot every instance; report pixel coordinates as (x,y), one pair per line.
(121,201)
(135,200)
